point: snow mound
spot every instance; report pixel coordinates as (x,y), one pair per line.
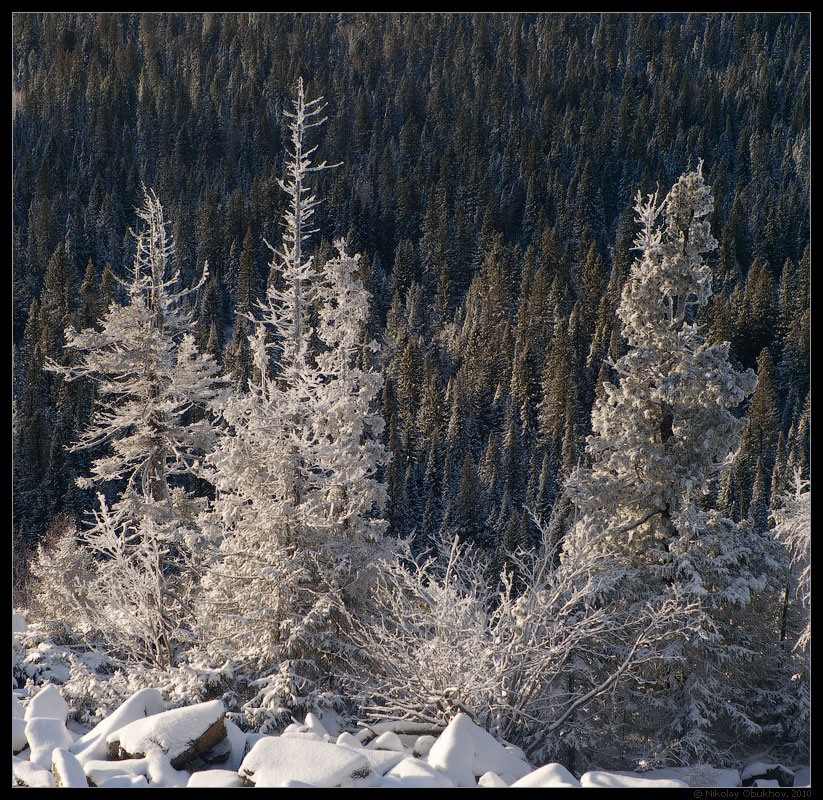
(141,704)
(491,780)
(412,772)
(124,782)
(181,733)
(464,751)
(380,761)
(276,761)
(67,770)
(598,779)
(18,734)
(214,778)
(387,741)
(698,776)
(98,772)
(25,773)
(550,775)
(775,772)
(48,702)
(44,735)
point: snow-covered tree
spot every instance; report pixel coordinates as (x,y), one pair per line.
(148,373)
(298,500)
(530,660)
(153,388)
(792,528)
(662,437)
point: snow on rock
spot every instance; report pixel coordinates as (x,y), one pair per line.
(48,702)
(464,750)
(214,778)
(764,783)
(17,711)
(181,733)
(453,752)
(550,775)
(347,739)
(412,772)
(18,734)
(44,734)
(315,725)
(381,761)
(98,772)
(423,745)
(802,777)
(491,780)
(160,772)
(698,776)
(387,741)
(67,770)
(278,761)
(24,773)
(141,704)
(125,782)
(598,779)
(759,769)
(237,740)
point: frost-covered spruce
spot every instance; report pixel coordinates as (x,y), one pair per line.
(149,378)
(663,434)
(298,501)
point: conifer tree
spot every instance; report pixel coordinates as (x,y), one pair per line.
(149,378)
(662,437)
(299,470)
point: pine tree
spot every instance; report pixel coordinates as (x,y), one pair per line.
(299,470)
(149,378)
(661,439)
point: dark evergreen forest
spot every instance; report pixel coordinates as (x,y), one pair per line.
(490,164)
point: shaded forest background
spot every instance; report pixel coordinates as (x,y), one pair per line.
(490,163)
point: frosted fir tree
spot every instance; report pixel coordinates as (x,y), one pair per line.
(299,501)
(153,388)
(792,520)
(349,454)
(662,437)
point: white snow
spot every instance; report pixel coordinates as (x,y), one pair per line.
(598,779)
(48,702)
(18,623)
(124,782)
(141,704)
(279,761)
(761,768)
(44,734)
(491,780)
(463,755)
(237,740)
(387,741)
(464,751)
(31,774)
(68,771)
(98,772)
(423,745)
(18,734)
(551,775)
(174,731)
(412,772)
(215,778)
(699,776)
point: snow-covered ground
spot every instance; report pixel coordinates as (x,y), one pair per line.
(144,744)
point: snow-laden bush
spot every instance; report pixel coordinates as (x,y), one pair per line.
(530,660)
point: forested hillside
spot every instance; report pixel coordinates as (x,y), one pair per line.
(488,176)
